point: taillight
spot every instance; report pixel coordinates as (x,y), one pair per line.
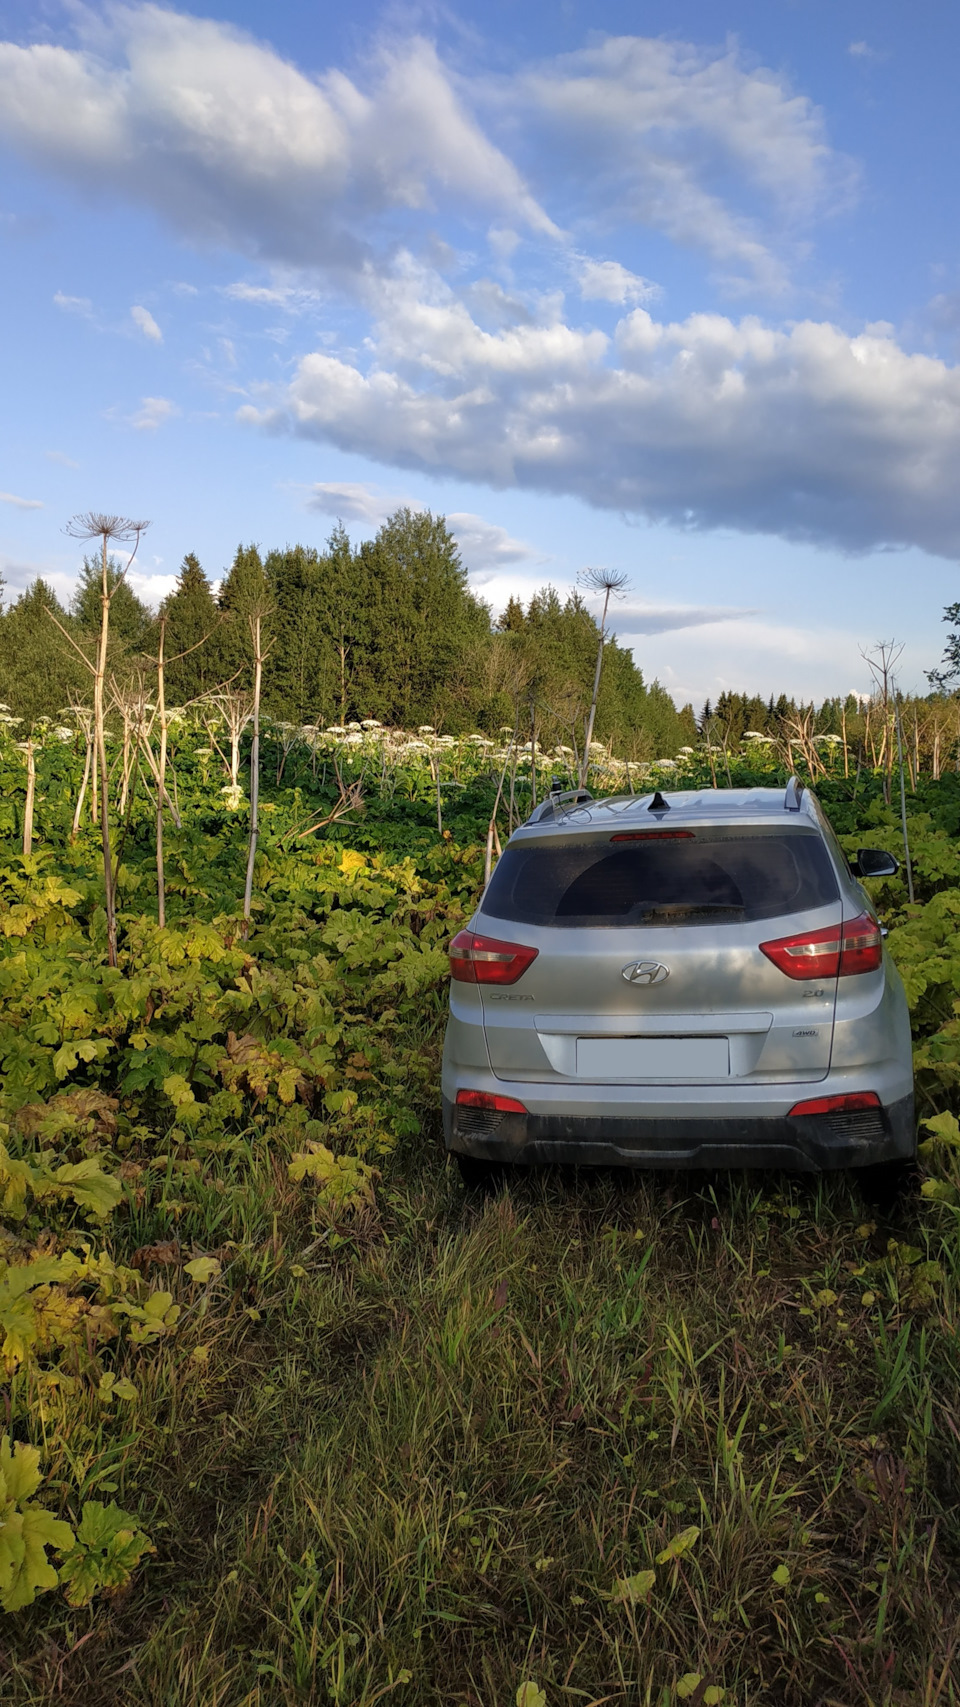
(836,952)
(483,960)
(849,1104)
(862,945)
(484,1099)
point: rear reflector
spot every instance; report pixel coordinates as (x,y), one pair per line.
(857,1100)
(836,952)
(653,836)
(483,960)
(483,1099)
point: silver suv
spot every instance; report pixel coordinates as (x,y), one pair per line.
(682,980)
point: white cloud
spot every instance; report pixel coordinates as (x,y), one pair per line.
(665,134)
(150,586)
(59,456)
(20,503)
(809,432)
(754,655)
(74,304)
(355,501)
(608,281)
(144,321)
(233,144)
(152,413)
(485,547)
(636,617)
(292,298)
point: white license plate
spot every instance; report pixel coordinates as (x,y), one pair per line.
(653,1058)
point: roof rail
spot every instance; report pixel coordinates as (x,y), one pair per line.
(791,799)
(558,800)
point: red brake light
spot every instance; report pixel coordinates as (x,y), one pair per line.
(862,945)
(483,960)
(484,1099)
(653,836)
(836,952)
(836,1105)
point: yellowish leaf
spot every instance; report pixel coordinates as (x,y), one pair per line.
(531,1695)
(202,1269)
(680,1544)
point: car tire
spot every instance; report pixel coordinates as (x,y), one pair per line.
(480,1175)
(885,1184)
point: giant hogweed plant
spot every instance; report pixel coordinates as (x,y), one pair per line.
(317,1033)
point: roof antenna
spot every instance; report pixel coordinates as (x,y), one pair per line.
(658,804)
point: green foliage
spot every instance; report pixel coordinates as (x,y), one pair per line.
(108,1548)
(39,671)
(345,1183)
(369,1422)
(26,1529)
(131,622)
(83,1183)
(192,642)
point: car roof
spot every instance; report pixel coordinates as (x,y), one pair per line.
(678,806)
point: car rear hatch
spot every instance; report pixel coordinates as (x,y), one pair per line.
(649,966)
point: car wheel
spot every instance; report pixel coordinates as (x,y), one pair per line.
(886,1183)
(480,1175)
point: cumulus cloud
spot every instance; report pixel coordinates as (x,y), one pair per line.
(235,145)
(151,586)
(485,547)
(661,132)
(608,281)
(20,503)
(145,323)
(153,411)
(808,432)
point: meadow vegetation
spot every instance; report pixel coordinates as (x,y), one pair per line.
(287,1417)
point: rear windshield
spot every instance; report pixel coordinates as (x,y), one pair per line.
(715,877)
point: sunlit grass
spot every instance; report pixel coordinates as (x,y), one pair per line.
(419,1463)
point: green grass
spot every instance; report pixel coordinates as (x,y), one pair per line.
(414,1465)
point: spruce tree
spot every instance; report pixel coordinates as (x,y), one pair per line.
(244,591)
(40,674)
(191,625)
(131,621)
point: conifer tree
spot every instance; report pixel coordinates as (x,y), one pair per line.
(131,621)
(191,635)
(40,674)
(243,592)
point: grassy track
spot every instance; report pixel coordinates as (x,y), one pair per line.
(421,1471)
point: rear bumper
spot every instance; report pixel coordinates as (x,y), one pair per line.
(808,1144)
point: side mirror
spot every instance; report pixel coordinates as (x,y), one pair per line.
(874,862)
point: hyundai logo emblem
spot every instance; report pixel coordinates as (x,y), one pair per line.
(645,972)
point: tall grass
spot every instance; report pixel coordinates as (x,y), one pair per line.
(419,1464)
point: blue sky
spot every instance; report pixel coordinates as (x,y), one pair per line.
(674,289)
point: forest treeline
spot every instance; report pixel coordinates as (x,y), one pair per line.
(391,630)
(388,629)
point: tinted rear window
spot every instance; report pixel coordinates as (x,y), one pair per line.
(717,877)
